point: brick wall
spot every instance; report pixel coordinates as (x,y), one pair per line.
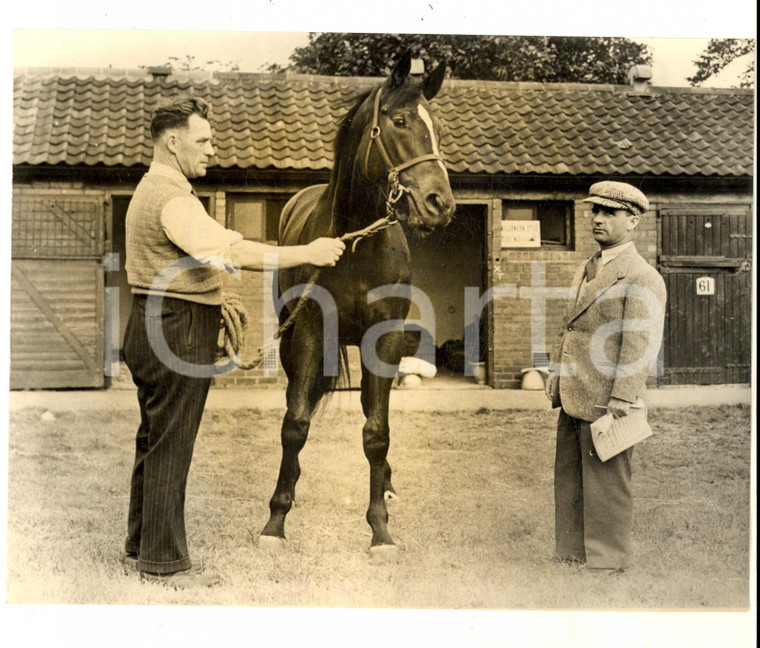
(519,326)
(528,323)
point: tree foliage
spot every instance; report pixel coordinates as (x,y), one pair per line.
(497,58)
(718,54)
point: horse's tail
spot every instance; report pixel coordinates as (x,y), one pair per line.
(344,375)
(331,384)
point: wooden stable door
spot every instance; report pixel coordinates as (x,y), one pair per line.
(706,261)
(57,313)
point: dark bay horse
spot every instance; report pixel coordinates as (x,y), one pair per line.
(387,164)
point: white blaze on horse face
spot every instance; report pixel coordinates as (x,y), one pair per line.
(428,121)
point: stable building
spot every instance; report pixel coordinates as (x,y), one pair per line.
(521,157)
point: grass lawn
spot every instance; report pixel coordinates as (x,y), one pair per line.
(474,522)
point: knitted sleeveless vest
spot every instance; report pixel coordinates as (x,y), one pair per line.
(154,264)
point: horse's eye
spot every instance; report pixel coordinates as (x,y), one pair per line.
(399,122)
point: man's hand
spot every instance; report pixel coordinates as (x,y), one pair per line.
(618,407)
(324,251)
(550,389)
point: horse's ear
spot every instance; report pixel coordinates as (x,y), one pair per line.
(432,83)
(401,71)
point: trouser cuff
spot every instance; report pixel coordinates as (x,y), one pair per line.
(164,567)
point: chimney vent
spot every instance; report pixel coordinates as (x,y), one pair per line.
(160,71)
(639,77)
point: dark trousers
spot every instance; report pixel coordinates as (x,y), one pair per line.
(593,504)
(171,408)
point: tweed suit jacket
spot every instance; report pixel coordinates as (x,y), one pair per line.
(611,336)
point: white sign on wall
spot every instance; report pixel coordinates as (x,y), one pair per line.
(520,234)
(705,286)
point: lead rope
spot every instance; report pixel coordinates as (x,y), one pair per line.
(235,318)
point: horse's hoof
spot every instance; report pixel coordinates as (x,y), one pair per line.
(383,553)
(271,544)
(390,496)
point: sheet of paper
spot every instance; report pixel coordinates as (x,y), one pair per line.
(613,435)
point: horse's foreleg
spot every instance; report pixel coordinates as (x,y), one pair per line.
(389,493)
(302,397)
(376,439)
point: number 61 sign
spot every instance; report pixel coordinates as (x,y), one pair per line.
(705,286)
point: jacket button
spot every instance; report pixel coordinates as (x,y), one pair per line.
(570,328)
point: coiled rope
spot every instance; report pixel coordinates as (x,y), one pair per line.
(235,318)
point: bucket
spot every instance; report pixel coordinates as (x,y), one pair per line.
(532,379)
(410,381)
(478,372)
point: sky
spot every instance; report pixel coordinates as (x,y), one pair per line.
(137,47)
(673,58)
(268,31)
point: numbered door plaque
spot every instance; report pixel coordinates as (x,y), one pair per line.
(705,286)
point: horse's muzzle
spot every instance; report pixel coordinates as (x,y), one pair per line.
(440,207)
(434,211)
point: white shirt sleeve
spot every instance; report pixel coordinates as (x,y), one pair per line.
(191,229)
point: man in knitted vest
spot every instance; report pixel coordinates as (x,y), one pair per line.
(175,256)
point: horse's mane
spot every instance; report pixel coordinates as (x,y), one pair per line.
(343,143)
(344,149)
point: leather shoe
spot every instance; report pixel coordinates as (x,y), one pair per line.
(129,562)
(183,579)
(605,570)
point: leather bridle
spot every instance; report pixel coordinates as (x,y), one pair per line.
(395,188)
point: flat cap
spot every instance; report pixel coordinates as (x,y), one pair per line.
(618,195)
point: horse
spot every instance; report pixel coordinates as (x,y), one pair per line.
(387,168)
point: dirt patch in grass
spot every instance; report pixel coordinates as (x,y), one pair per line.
(474,522)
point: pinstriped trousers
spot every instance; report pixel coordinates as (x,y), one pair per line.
(171,408)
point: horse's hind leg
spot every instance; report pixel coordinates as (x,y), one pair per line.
(305,388)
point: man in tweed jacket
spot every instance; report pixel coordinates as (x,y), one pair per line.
(606,349)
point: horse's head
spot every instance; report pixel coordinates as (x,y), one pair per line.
(400,147)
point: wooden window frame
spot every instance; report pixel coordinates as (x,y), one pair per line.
(268,229)
(568,244)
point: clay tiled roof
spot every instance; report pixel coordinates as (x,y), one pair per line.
(288,122)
